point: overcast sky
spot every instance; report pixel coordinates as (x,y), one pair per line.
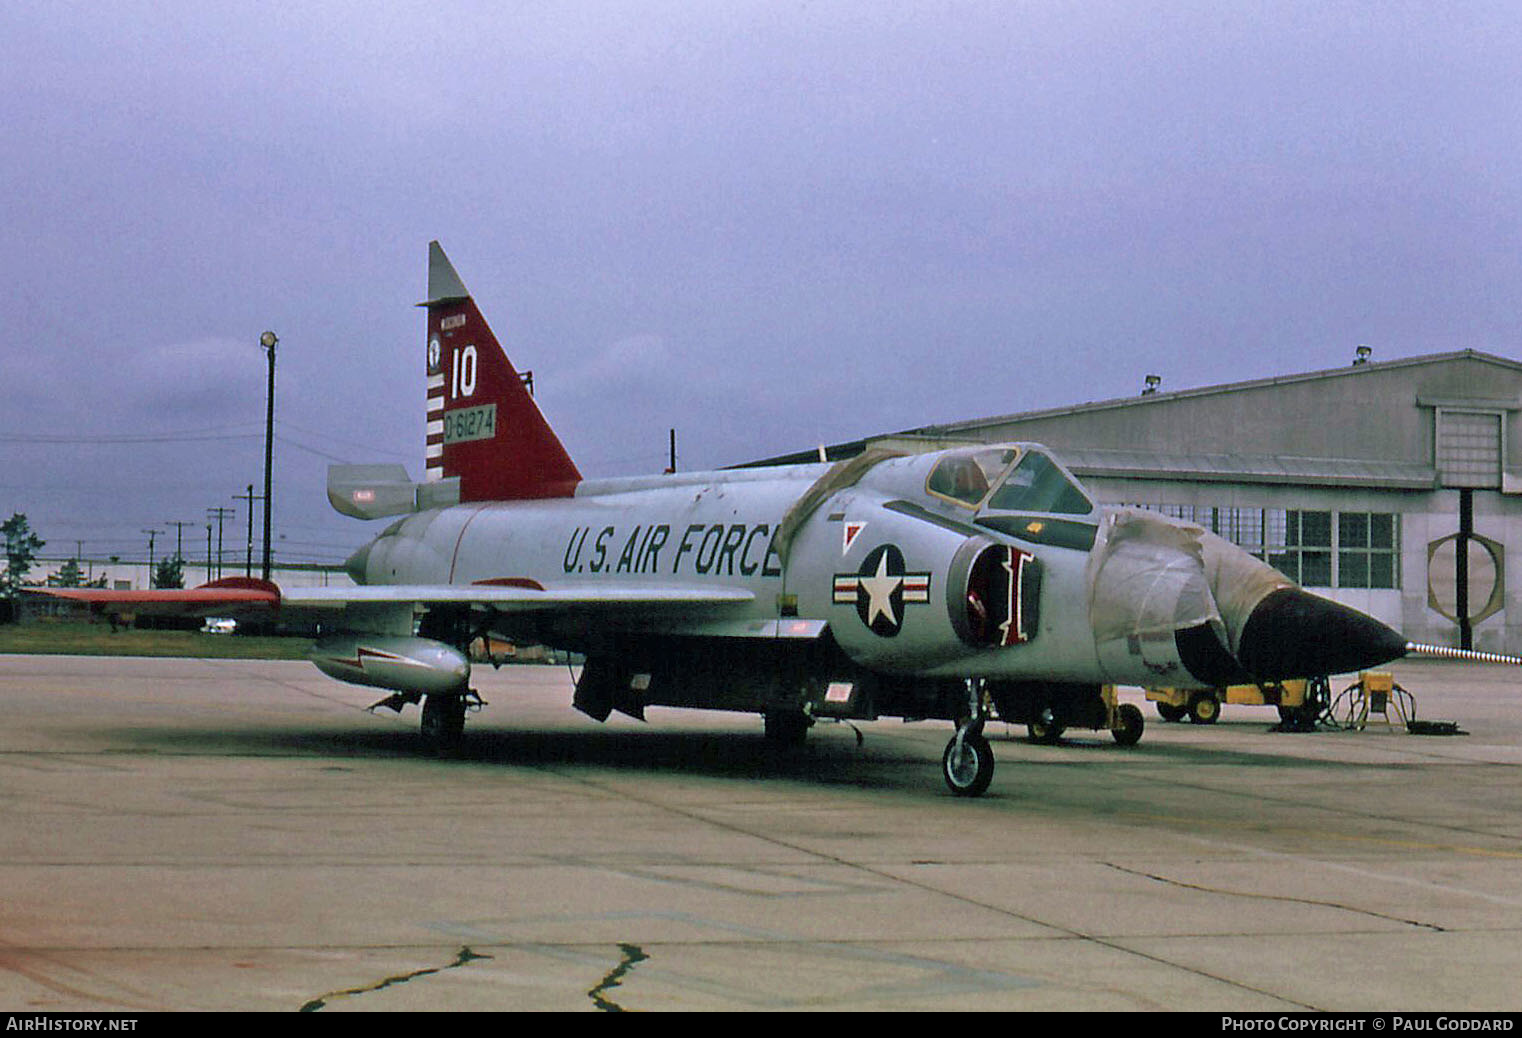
(769,225)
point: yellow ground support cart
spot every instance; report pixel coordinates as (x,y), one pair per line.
(1375,693)
(1300,702)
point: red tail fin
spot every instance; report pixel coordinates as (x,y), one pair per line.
(483,426)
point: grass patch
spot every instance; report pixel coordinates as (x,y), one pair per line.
(92,639)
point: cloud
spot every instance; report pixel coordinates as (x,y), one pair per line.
(198,378)
(629,363)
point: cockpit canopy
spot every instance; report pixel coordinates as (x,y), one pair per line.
(1007,479)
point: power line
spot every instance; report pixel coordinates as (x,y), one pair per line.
(125,439)
(212,434)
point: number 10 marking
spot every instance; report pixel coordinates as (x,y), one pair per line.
(463,372)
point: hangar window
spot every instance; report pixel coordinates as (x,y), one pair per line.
(1368,550)
(1302,550)
(1470,448)
(1315,549)
(1244,528)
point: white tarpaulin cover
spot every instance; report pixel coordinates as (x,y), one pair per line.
(1150,575)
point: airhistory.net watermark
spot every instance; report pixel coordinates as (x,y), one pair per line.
(46,1024)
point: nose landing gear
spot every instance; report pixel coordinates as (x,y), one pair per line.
(968,763)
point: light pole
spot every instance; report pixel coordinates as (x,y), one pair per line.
(267,341)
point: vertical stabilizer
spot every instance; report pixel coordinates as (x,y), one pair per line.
(483,425)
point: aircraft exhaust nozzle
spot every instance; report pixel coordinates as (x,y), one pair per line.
(1295,634)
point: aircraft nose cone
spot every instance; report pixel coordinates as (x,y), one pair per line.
(1295,634)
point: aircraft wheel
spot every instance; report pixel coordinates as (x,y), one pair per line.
(1129,725)
(1204,708)
(1045,730)
(443,721)
(1299,718)
(969,772)
(1170,713)
(787,727)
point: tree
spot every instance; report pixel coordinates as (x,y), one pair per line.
(169,573)
(68,575)
(21,546)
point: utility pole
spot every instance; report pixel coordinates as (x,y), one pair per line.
(151,535)
(268,341)
(672,467)
(209,576)
(179,536)
(250,497)
(219,514)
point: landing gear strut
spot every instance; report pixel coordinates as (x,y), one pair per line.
(968,763)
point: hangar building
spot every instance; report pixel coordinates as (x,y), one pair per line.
(1395,487)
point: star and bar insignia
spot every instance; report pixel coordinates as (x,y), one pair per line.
(881,588)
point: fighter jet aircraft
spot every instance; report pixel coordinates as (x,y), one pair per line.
(942,585)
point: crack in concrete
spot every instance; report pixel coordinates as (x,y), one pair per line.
(886,874)
(465,955)
(632,956)
(1290,899)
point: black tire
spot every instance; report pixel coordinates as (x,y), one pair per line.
(1045,733)
(1170,713)
(1129,725)
(1045,729)
(443,721)
(1205,708)
(1300,718)
(969,774)
(787,727)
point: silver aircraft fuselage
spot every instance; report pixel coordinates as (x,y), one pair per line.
(880,562)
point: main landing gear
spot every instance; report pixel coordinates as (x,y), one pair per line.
(968,763)
(787,728)
(443,726)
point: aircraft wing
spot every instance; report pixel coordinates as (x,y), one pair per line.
(675,609)
(233,596)
(230,597)
(515,598)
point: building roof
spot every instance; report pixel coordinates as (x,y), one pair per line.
(1249,468)
(1150,399)
(1365,424)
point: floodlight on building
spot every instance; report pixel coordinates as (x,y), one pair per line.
(1362,354)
